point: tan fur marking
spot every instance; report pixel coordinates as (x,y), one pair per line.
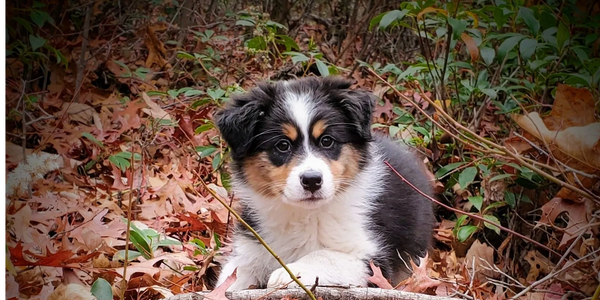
(345,168)
(290,131)
(318,128)
(265,178)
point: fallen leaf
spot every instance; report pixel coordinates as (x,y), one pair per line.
(419,281)
(378,279)
(219,292)
(580,142)
(479,259)
(572,107)
(579,215)
(155,110)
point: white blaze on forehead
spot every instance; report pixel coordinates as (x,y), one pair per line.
(301,110)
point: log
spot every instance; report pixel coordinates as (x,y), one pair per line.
(324,293)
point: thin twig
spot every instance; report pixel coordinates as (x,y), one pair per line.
(258,237)
(469,214)
(84,44)
(128,230)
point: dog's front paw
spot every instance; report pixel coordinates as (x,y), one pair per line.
(281,277)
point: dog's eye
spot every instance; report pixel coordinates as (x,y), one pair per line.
(326,141)
(283,146)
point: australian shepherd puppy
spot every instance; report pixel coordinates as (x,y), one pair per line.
(312,181)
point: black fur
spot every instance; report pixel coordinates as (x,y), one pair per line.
(403,218)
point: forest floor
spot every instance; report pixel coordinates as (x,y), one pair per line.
(118,131)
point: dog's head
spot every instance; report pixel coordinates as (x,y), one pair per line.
(301,142)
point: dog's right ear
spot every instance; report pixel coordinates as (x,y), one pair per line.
(238,121)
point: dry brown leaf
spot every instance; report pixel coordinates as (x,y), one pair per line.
(481,258)
(156,49)
(378,279)
(578,213)
(71,292)
(539,265)
(572,107)
(471,46)
(155,110)
(419,281)
(219,292)
(79,112)
(580,142)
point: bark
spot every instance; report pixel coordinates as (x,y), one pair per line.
(325,293)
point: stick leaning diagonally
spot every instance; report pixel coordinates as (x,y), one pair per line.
(258,237)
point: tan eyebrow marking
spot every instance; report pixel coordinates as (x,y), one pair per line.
(290,131)
(318,128)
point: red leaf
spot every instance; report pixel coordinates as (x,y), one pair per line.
(378,278)
(219,292)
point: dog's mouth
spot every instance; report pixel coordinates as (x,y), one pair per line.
(312,198)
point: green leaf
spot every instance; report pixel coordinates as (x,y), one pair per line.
(500,17)
(467,176)
(217,241)
(257,43)
(458,27)
(40,17)
(26,24)
(216,161)
(510,199)
(156,93)
(168,242)
(288,42)
(465,232)
(101,289)
(447,168)
(119,162)
(562,35)
(490,92)
(140,243)
(487,54)
(206,150)
(297,56)
(36,42)
(191,93)
(199,243)
(215,94)
(477,201)
(501,176)
(529,17)
(527,48)
(392,16)
(92,138)
(461,220)
(131,255)
(244,23)
(490,226)
(322,68)
(185,55)
(376,20)
(203,128)
(507,46)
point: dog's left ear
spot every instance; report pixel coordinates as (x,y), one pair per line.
(358,105)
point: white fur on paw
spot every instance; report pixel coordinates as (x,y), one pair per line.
(281,277)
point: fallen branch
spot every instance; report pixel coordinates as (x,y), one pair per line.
(324,293)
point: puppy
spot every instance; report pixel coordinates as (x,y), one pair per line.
(311,178)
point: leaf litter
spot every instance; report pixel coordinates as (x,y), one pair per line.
(72,225)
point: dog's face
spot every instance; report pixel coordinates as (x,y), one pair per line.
(301,142)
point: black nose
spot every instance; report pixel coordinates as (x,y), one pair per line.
(311,181)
